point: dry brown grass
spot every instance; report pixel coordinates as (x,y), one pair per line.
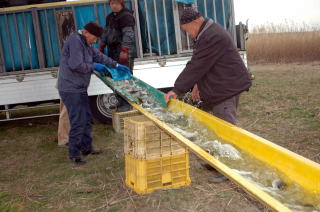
(283,44)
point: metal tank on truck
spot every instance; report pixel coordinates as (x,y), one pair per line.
(32,36)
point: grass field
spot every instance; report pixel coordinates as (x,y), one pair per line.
(36,175)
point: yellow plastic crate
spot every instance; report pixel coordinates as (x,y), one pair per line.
(118,119)
(145,176)
(145,140)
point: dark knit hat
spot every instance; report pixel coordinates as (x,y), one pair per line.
(189,15)
(94,28)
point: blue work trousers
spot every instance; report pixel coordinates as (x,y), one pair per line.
(80,120)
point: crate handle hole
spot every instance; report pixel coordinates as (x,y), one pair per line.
(166,184)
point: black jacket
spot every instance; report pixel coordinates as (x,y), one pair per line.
(216,67)
(119,32)
(114,33)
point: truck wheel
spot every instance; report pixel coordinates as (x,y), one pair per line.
(101,107)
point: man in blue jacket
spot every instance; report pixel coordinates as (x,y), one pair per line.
(78,59)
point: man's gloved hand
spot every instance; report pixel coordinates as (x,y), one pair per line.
(121,72)
(124,55)
(100,68)
(123,68)
(102,46)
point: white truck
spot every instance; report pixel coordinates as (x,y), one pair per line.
(32,37)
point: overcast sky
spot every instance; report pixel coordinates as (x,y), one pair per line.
(278,11)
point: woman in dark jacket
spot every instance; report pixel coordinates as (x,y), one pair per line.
(119,34)
(119,37)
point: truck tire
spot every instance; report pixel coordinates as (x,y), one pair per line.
(101,107)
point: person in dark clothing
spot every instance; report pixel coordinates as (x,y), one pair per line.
(119,35)
(78,60)
(216,73)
